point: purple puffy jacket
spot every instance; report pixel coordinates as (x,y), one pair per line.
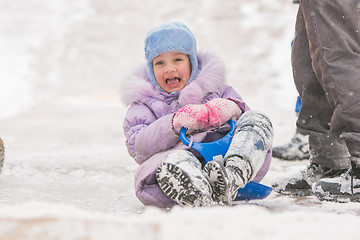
(148,127)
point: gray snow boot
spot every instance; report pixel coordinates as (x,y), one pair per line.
(245,156)
(226,181)
(2,154)
(299,184)
(180,177)
(344,188)
(296,149)
(329,158)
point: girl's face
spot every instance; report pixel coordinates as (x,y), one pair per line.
(172,71)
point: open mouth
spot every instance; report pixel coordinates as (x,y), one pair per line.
(172,80)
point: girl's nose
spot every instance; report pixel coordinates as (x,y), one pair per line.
(170,68)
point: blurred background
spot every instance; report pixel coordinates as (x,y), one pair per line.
(62,63)
(57,48)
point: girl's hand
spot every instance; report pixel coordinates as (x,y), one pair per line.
(191,116)
(221,110)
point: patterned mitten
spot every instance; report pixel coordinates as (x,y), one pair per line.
(221,110)
(193,117)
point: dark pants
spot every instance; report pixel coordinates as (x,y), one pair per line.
(326,69)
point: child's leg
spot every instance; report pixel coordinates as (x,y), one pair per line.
(252,139)
(181,178)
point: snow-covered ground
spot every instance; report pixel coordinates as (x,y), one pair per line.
(67,174)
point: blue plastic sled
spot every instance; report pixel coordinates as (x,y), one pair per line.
(252,190)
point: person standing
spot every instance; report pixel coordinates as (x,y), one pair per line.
(326,70)
(298,147)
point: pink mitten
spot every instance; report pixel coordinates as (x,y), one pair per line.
(221,110)
(192,117)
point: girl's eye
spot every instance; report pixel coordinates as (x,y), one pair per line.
(178,59)
(159,63)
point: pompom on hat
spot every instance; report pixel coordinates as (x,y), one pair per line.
(170,37)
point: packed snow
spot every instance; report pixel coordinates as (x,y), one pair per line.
(67,173)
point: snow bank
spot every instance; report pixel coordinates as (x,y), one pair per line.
(43,221)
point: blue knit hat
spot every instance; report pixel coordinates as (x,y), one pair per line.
(170,37)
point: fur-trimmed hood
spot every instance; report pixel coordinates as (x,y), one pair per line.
(211,78)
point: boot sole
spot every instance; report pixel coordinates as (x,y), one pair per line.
(344,198)
(299,189)
(177,185)
(296,192)
(334,194)
(215,174)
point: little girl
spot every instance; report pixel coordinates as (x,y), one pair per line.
(179,87)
